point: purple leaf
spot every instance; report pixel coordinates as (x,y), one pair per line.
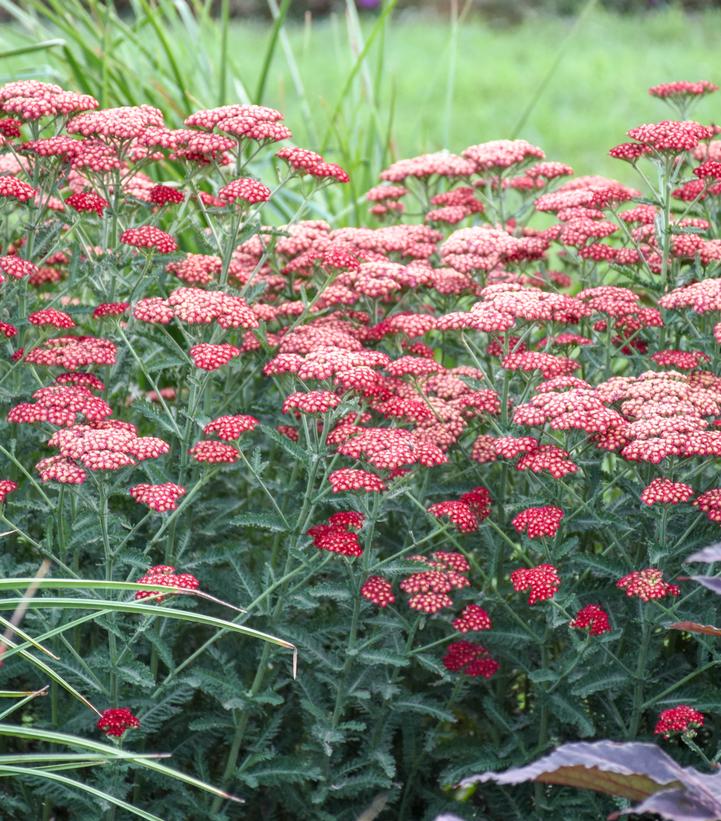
(640,772)
(709,554)
(711,582)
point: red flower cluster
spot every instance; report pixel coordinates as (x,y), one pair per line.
(116,720)
(593,618)
(678,720)
(378,590)
(467,512)
(542,582)
(165,576)
(337,534)
(536,522)
(470,658)
(160,498)
(647,584)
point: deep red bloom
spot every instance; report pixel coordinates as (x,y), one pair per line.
(681,719)
(469,658)
(87,201)
(165,195)
(378,590)
(594,618)
(116,721)
(542,581)
(110,309)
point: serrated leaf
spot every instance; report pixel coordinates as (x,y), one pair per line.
(639,772)
(260,520)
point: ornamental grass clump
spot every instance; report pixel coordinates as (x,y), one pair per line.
(455,458)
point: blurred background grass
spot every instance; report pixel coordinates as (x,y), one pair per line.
(365,89)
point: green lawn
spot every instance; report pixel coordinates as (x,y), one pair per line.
(597,92)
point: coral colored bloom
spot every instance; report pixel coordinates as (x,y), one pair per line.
(682,88)
(647,584)
(150,237)
(116,720)
(208,450)
(472,619)
(378,590)
(538,521)
(593,618)
(245,189)
(308,162)
(662,491)
(347,479)
(160,498)
(13,188)
(311,402)
(211,357)
(51,317)
(229,428)
(542,581)
(469,658)
(681,719)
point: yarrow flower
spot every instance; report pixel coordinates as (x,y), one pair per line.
(212,452)
(336,534)
(469,658)
(647,584)
(6,487)
(160,498)
(165,575)
(245,189)
(230,428)
(87,201)
(679,720)
(116,720)
(378,590)
(347,479)
(150,237)
(542,582)
(593,618)
(662,491)
(538,521)
(210,357)
(467,512)
(472,619)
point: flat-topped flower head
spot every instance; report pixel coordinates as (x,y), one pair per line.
(213,452)
(662,491)
(469,658)
(536,522)
(378,590)
(6,488)
(501,154)
(87,202)
(671,136)
(230,428)
(681,720)
(150,238)
(347,479)
(245,189)
(472,619)
(542,582)
(116,721)
(161,498)
(593,618)
(647,584)
(165,576)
